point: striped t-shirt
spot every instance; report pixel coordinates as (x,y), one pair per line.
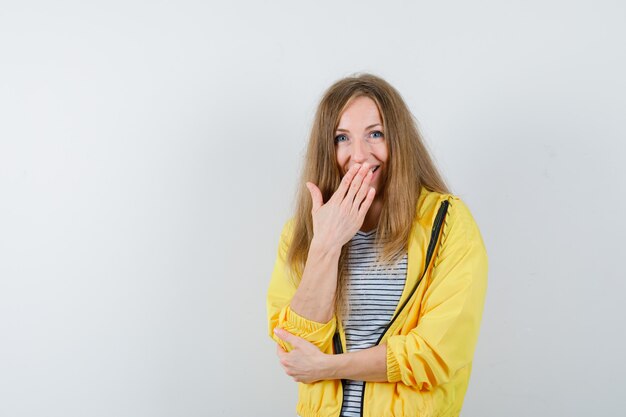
(372,293)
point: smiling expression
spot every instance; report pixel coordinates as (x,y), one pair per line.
(360,138)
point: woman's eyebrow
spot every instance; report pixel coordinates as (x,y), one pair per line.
(368,127)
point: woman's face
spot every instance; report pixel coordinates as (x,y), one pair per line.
(360,138)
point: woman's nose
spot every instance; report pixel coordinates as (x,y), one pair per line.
(359,151)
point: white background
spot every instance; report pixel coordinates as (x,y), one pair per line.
(149,153)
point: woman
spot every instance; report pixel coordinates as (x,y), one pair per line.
(378,288)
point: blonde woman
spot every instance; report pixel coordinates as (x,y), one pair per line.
(378,288)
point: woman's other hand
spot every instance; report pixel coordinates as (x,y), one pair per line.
(337,221)
(305,362)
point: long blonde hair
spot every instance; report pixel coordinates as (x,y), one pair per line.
(410,167)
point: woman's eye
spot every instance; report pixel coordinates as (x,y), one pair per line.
(377,134)
(340,138)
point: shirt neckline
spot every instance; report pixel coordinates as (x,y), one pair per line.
(366,234)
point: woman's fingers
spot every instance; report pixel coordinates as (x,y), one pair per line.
(342,215)
(316,195)
(369,198)
(339,195)
(356,184)
(362,193)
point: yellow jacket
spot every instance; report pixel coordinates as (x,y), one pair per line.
(430,340)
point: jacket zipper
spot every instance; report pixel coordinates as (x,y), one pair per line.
(339,350)
(337,343)
(434,238)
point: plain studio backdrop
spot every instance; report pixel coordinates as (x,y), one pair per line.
(149,156)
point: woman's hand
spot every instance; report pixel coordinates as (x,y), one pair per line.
(305,362)
(337,221)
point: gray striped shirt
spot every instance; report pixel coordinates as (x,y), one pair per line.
(373,294)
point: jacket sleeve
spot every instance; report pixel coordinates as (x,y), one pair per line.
(445,337)
(283,286)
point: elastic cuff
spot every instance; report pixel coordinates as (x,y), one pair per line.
(320,334)
(306,325)
(393,367)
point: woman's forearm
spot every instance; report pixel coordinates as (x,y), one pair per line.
(315,297)
(364,365)
(335,223)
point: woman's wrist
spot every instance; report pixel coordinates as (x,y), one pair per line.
(331,366)
(366,365)
(320,247)
(338,366)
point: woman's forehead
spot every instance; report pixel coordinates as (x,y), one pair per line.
(361,111)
